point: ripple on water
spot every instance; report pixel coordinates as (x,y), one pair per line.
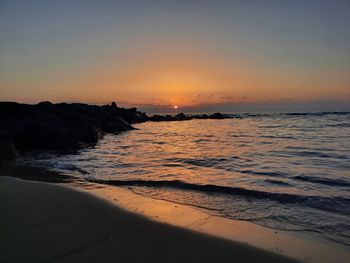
(286,171)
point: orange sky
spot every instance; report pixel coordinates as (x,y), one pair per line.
(197,74)
(183,54)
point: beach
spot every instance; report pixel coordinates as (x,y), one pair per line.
(42,222)
(263,169)
(163,192)
(81,221)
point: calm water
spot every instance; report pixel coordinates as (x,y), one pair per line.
(283,171)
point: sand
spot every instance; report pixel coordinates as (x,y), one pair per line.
(42,222)
(305,247)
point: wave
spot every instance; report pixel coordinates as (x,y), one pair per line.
(205,162)
(333,204)
(277,182)
(53,164)
(276,137)
(342,125)
(294,114)
(273,174)
(321,113)
(325,181)
(309,153)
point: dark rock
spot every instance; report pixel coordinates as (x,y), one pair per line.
(8,151)
(216,115)
(62,126)
(183,117)
(180,117)
(203,116)
(129,115)
(113,105)
(157,118)
(117,124)
(91,133)
(45,105)
(16,110)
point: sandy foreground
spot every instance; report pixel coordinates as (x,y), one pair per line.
(84,222)
(297,245)
(42,222)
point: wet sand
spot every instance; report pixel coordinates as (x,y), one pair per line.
(41,222)
(305,247)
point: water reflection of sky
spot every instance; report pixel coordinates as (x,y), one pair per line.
(297,155)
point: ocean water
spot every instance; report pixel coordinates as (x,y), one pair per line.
(284,171)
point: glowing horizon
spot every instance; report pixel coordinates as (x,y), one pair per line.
(185,54)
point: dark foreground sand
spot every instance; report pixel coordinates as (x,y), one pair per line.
(41,222)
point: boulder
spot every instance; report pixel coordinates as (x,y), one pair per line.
(8,151)
(157,118)
(216,115)
(117,124)
(114,105)
(45,105)
(181,116)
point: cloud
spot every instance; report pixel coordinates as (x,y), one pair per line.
(228,97)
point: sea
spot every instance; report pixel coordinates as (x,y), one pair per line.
(286,171)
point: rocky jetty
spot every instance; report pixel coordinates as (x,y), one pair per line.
(61,126)
(184,117)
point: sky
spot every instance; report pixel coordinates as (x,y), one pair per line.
(199,55)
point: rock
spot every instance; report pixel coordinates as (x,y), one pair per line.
(62,126)
(113,105)
(183,117)
(117,124)
(16,110)
(216,115)
(203,116)
(180,117)
(92,134)
(157,118)
(8,151)
(45,105)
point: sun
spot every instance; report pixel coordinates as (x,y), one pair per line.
(176,107)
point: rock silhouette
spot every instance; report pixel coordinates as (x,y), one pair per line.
(8,151)
(63,126)
(182,117)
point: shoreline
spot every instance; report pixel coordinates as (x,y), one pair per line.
(281,243)
(292,244)
(43,222)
